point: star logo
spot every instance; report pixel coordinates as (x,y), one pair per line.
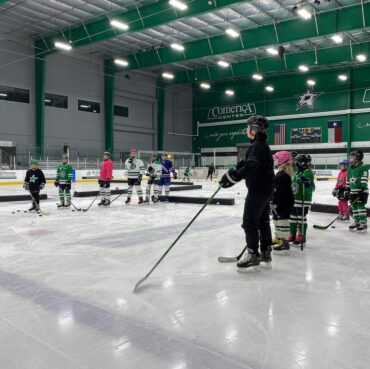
(33,179)
(307,99)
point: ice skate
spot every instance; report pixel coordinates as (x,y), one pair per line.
(299,240)
(276,241)
(101,203)
(146,201)
(266,259)
(354,226)
(282,248)
(249,262)
(291,238)
(141,200)
(33,208)
(60,205)
(106,203)
(67,205)
(154,199)
(362,227)
(128,200)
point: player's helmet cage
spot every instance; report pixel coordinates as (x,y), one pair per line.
(303,161)
(358,155)
(258,123)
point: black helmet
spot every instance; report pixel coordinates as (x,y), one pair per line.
(358,154)
(258,122)
(303,161)
(294,154)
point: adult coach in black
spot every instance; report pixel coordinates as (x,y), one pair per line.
(258,171)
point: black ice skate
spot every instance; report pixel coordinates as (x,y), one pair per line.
(60,205)
(101,203)
(33,208)
(154,199)
(354,226)
(266,259)
(106,203)
(362,227)
(248,262)
(282,247)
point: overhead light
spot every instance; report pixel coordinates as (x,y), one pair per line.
(177,47)
(337,39)
(343,77)
(257,77)
(168,75)
(223,63)
(62,45)
(269,88)
(118,24)
(46,100)
(85,106)
(3,95)
(230,92)
(304,13)
(303,68)
(232,33)
(205,85)
(272,51)
(178,4)
(121,62)
(311,82)
(361,57)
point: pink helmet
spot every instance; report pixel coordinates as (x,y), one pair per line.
(282,157)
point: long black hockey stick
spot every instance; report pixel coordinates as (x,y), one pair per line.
(123,193)
(316,226)
(303,216)
(142,280)
(87,209)
(37,205)
(76,208)
(231,259)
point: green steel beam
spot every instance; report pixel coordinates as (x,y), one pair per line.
(139,19)
(3,1)
(322,57)
(161,98)
(109,85)
(40,71)
(331,22)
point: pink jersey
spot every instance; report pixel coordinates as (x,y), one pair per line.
(106,170)
(341,180)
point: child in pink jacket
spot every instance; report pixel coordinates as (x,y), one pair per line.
(339,189)
(105,177)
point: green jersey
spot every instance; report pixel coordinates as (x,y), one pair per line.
(299,188)
(186,172)
(64,173)
(357,178)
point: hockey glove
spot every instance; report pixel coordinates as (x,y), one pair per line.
(229,179)
(42,185)
(175,175)
(26,186)
(335,193)
(240,164)
(306,181)
(56,183)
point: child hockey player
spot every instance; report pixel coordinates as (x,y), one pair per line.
(187,174)
(282,199)
(33,183)
(258,171)
(63,182)
(153,172)
(339,191)
(105,177)
(357,190)
(135,169)
(165,180)
(303,186)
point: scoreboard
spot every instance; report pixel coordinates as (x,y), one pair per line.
(306,135)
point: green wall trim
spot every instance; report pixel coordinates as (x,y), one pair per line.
(161,98)
(40,72)
(139,19)
(330,22)
(109,86)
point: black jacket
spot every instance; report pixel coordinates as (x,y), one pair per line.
(258,168)
(283,196)
(35,177)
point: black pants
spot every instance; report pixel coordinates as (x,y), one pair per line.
(36,196)
(256,222)
(210,175)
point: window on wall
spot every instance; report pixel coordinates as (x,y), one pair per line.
(121,111)
(14,94)
(56,101)
(89,106)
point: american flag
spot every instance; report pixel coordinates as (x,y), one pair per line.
(279,134)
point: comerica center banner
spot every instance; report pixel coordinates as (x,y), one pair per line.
(328,112)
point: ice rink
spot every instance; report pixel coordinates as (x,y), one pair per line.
(66,282)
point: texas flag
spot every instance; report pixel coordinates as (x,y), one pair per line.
(335,131)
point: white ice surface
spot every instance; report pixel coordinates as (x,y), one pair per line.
(66,298)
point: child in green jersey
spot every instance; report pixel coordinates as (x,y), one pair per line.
(303,186)
(63,182)
(357,190)
(187,174)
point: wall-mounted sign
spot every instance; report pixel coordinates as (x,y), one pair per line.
(229,112)
(305,135)
(307,99)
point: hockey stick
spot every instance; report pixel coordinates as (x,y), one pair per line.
(37,205)
(123,193)
(303,195)
(231,259)
(76,208)
(87,209)
(142,280)
(316,226)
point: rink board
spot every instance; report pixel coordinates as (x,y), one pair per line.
(6,198)
(122,191)
(332,209)
(197,200)
(172,183)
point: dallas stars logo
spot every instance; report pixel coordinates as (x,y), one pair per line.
(307,99)
(33,179)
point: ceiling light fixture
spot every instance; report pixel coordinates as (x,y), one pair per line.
(230,92)
(118,24)
(177,46)
(168,75)
(311,82)
(303,68)
(337,39)
(257,77)
(178,4)
(3,95)
(121,62)
(361,57)
(272,51)
(304,13)
(343,77)
(223,63)
(269,88)
(62,45)
(205,85)
(232,32)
